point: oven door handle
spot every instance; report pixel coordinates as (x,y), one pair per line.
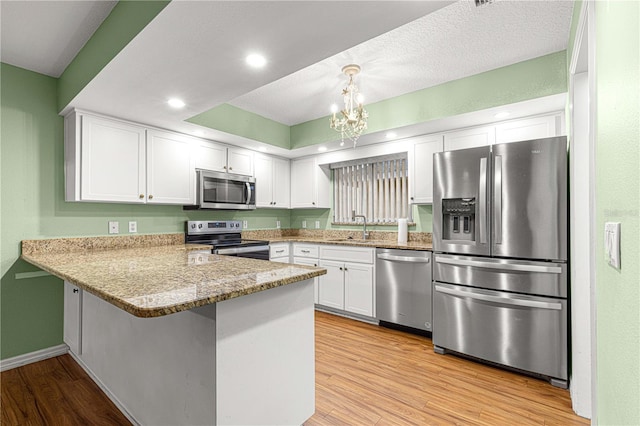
(237,250)
(512,301)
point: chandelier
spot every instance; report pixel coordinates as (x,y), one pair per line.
(353,118)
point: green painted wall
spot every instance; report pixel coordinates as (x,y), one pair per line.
(33,206)
(543,76)
(618,200)
(236,121)
(124,22)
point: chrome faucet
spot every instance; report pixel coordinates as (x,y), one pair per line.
(365,234)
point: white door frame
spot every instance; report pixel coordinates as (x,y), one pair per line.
(583,306)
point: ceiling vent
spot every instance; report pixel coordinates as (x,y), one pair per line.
(483,2)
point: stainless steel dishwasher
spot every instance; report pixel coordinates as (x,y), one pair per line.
(403,288)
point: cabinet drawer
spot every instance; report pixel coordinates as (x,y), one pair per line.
(278,250)
(347,254)
(305,250)
(280,259)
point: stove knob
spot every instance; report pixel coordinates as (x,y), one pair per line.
(193,226)
(200,225)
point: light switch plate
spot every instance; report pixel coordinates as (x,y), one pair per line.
(612,243)
(304,224)
(114,227)
(317,224)
(277,224)
(133,227)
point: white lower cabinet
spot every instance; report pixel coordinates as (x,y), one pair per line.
(349,283)
(72,328)
(307,254)
(279,252)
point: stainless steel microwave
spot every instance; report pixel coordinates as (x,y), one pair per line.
(227,191)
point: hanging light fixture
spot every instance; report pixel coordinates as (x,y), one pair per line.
(353,118)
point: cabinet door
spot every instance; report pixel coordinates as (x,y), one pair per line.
(470,138)
(264,181)
(211,156)
(310,262)
(170,168)
(331,285)
(303,185)
(72,328)
(358,289)
(422,170)
(113,161)
(240,161)
(281,183)
(527,129)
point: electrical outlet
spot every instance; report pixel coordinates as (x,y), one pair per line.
(133,227)
(304,224)
(114,227)
(277,224)
(245,224)
(317,224)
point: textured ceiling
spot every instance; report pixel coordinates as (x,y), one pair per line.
(44,36)
(451,43)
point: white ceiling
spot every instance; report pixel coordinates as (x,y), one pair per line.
(44,36)
(195,50)
(454,42)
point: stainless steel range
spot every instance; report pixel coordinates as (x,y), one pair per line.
(500,261)
(226,239)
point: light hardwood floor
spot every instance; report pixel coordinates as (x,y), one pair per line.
(365,375)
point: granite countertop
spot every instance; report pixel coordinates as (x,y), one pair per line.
(152,281)
(391,244)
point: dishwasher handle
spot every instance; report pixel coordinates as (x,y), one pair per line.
(513,301)
(410,259)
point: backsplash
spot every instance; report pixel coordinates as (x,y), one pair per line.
(333,234)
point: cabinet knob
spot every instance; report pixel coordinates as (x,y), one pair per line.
(411,198)
(150,197)
(75,290)
(313,203)
(230,168)
(341,268)
(141,196)
(224,167)
(315,264)
(274,203)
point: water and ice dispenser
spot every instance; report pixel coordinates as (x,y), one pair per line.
(458,219)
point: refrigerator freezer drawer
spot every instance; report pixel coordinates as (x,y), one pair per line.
(520,276)
(524,332)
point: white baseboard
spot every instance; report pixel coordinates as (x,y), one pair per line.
(105,389)
(31,357)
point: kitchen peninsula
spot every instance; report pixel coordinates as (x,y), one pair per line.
(176,335)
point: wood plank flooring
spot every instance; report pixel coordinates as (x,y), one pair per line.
(365,375)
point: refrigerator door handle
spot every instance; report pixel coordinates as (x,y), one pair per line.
(482,195)
(497,193)
(497,299)
(522,267)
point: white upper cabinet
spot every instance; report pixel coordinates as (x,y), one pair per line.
(219,158)
(111,159)
(529,128)
(272,182)
(310,184)
(240,161)
(421,169)
(470,138)
(211,156)
(170,168)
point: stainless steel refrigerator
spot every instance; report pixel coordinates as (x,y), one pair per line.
(500,255)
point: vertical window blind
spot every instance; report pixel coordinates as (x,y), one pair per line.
(377,189)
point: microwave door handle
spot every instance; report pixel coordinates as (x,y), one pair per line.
(248,192)
(482,195)
(497,190)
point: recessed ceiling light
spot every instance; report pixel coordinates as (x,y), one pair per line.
(262,148)
(256,61)
(391,135)
(198,132)
(176,103)
(322,148)
(502,114)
